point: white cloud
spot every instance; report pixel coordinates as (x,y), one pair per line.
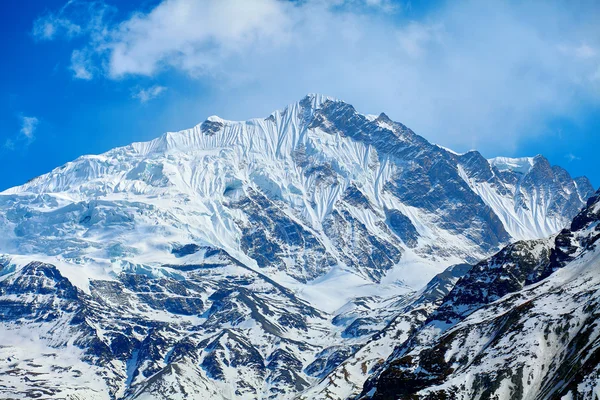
(28,127)
(145,95)
(585,51)
(77,18)
(383,5)
(26,134)
(81,65)
(467,75)
(195,36)
(416,38)
(379,3)
(595,77)
(49,26)
(9,144)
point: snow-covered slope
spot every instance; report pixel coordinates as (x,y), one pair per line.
(532,198)
(521,325)
(251,259)
(346,380)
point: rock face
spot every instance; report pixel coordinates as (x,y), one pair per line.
(294,256)
(520,325)
(208,325)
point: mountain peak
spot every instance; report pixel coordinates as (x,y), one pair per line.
(319,98)
(521,164)
(313,101)
(215,118)
(384,118)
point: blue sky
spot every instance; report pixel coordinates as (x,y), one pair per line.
(80,77)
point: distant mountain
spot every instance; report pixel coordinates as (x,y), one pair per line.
(272,258)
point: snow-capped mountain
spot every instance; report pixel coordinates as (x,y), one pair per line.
(271,258)
(312,188)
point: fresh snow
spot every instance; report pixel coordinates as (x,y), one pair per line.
(521,165)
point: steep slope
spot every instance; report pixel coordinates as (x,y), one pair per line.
(532,198)
(521,325)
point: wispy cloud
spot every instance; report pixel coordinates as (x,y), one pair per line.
(59,23)
(595,77)
(26,134)
(572,157)
(46,28)
(582,50)
(147,94)
(81,65)
(28,127)
(417,39)
(9,144)
(86,18)
(466,75)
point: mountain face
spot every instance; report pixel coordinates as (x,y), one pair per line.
(522,324)
(531,197)
(312,188)
(296,256)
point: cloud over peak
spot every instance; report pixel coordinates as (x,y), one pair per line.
(465,74)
